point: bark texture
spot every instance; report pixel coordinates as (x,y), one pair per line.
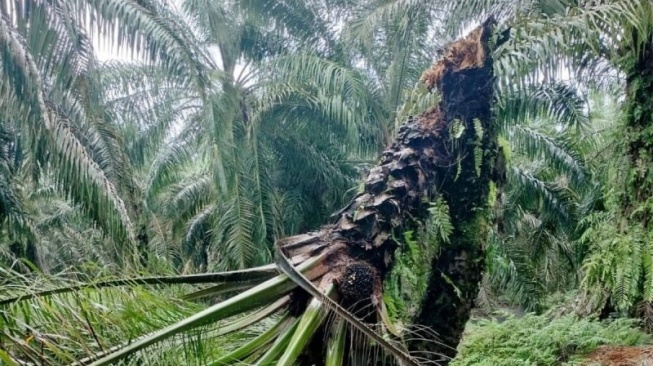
(447,151)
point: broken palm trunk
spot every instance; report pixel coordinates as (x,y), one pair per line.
(446,152)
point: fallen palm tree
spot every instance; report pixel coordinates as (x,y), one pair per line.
(333,276)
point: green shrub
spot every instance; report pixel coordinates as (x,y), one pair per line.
(534,340)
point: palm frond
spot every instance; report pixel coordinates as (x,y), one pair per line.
(150,31)
(557,150)
(557,102)
(377,13)
(555,200)
(337,92)
(236,245)
(70,154)
(583,40)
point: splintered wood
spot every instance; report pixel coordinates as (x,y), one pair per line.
(466,53)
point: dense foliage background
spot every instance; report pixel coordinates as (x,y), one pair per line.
(224,125)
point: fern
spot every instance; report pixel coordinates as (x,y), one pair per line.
(459,168)
(438,225)
(457,128)
(541,340)
(619,263)
(407,281)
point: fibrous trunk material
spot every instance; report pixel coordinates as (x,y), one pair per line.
(448,152)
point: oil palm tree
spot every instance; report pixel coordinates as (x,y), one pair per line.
(266,150)
(352,225)
(472,134)
(50,98)
(551,185)
(599,43)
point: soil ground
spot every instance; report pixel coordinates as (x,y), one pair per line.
(621,356)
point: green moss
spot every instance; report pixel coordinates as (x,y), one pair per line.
(639,135)
(504,146)
(475,230)
(492,196)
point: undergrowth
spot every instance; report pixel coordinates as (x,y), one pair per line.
(542,341)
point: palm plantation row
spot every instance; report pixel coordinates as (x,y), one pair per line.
(520,170)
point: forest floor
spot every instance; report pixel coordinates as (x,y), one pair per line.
(621,356)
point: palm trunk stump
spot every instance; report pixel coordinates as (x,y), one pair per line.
(448,151)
